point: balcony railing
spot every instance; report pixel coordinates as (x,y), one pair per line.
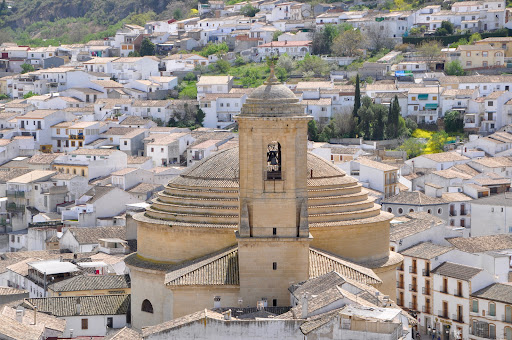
(13,207)
(443,290)
(442,314)
(425,272)
(425,291)
(507,320)
(413,288)
(457,318)
(412,270)
(15,193)
(426,309)
(453,213)
(80,136)
(399,285)
(457,293)
(413,306)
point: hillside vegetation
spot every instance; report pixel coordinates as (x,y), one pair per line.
(49,22)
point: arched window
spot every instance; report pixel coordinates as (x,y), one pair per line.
(274,160)
(147,306)
(390,210)
(439,211)
(508,333)
(411,210)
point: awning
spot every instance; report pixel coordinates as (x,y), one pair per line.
(431,106)
(423,96)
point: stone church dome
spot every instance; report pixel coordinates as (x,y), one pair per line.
(271,99)
(203,201)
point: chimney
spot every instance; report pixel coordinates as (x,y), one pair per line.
(304,302)
(19,314)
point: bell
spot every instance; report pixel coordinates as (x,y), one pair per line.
(273,161)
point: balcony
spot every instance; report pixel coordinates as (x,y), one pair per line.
(426,309)
(453,213)
(399,285)
(413,306)
(443,314)
(425,291)
(457,293)
(15,193)
(413,288)
(401,268)
(443,290)
(13,207)
(426,272)
(505,319)
(457,318)
(413,270)
(79,136)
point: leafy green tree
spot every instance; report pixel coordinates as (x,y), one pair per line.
(378,123)
(462,41)
(366,116)
(313,131)
(281,74)
(177,14)
(453,122)
(239,61)
(413,147)
(286,62)
(249,10)
(313,63)
(448,26)
(133,54)
(29,94)
(222,66)
(200,117)
(190,77)
(441,31)
(276,35)
(437,141)
(212,48)
(25,68)
(322,40)
(474,37)
(454,68)
(430,50)
(146,47)
(347,43)
(392,127)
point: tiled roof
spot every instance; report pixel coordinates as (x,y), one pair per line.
(450,174)
(317,285)
(413,198)
(445,157)
(501,292)
(178,322)
(43,158)
(500,200)
(89,305)
(456,197)
(456,271)
(220,268)
(426,250)
(137,159)
(97,192)
(416,222)
(481,244)
(118,131)
(376,165)
(321,262)
(145,187)
(91,235)
(93,152)
(11,291)
(95,282)
(12,329)
(43,320)
(125,334)
(493,162)
(134,120)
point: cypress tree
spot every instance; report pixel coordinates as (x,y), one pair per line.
(357,99)
(396,116)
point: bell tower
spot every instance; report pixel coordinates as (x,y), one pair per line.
(273,233)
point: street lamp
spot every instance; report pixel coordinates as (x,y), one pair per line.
(429,330)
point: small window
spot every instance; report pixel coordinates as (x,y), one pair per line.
(85,323)
(390,210)
(274,302)
(125,142)
(475,306)
(147,306)
(274,231)
(492,309)
(439,211)
(274,265)
(400,210)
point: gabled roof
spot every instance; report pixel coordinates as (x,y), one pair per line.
(445,157)
(426,250)
(89,305)
(457,271)
(480,244)
(500,292)
(91,235)
(89,283)
(413,198)
(125,334)
(414,223)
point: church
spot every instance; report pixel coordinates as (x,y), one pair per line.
(243,226)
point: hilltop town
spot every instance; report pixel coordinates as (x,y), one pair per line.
(263,169)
